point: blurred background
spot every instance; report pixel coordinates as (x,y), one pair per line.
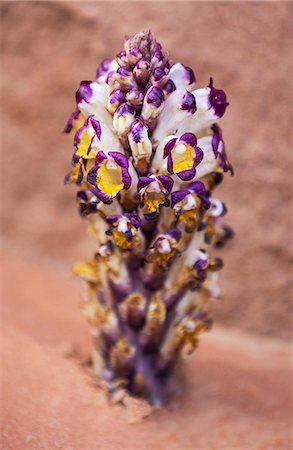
(49,47)
(237,394)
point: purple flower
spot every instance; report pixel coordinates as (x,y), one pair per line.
(190,203)
(164,249)
(154,192)
(183,156)
(124,229)
(88,202)
(109,175)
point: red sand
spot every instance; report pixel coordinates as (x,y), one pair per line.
(236,393)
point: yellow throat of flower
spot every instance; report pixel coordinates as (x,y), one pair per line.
(121,240)
(109,178)
(153,200)
(83,147)
(182,157)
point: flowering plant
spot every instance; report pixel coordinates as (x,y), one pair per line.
(148,154)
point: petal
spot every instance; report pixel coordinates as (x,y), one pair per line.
(105,67)
(169,87)
(143,182)
(155,96)
(174,233)
(170,164)
(188,102)
(97,127)
(178,196)
(166,181)
(186,175)
(100,157)
(197,187)
(92,175)
(105,198)
(134,219)
(112,219)
(120,159)
(116,98)
(198,156)
(169,147)
(126,178)
(189,139)
(182,76)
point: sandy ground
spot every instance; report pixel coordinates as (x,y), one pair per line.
(237,388)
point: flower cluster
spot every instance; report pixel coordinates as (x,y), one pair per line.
(148,155)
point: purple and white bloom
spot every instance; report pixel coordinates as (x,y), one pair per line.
(89,203)
(124,229)
(210,223)
(91,99)
(164,249)
(154,193)
(123,118)
(214,154)
(94,136)
(148,157)
(182,76)
(140,145)
(109,175)
(211,106)
(182,155)
(218,208)
(179,106)
(189,204)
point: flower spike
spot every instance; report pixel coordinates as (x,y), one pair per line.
(148,156)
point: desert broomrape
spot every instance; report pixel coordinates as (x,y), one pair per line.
(148,155)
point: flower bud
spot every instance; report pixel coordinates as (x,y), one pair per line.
(141,146)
